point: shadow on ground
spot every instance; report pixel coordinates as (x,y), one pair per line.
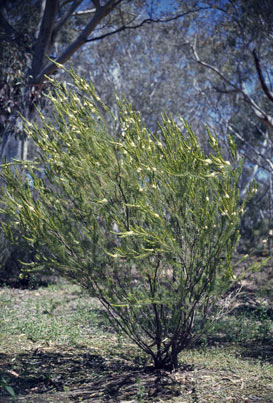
(77,375)
(260,351)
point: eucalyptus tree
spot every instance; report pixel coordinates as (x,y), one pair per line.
(32,31)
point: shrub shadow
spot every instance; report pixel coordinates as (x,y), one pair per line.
(76,374)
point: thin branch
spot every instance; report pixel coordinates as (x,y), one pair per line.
(213,68)
(84,12)
(224,91)
(259,112)
(265,88)
(146,21)
(260,155)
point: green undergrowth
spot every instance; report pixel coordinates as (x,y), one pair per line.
(60,314)
(243,326)
(64,314)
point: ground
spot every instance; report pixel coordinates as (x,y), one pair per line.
(57,346)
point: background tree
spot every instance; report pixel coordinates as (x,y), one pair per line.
(57,29)
(30,32)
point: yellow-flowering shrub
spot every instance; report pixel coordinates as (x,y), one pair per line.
(146,221)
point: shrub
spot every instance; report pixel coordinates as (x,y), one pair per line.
(145,221)
(11,254)
(14,250)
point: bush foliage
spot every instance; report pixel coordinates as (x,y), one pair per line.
(11,256)
(145,221)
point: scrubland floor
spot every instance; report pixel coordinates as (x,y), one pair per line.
(56,345)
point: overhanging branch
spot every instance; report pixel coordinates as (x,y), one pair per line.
(144,22)
(259,112)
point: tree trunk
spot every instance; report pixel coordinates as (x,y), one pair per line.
(15,143)
(169,361)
